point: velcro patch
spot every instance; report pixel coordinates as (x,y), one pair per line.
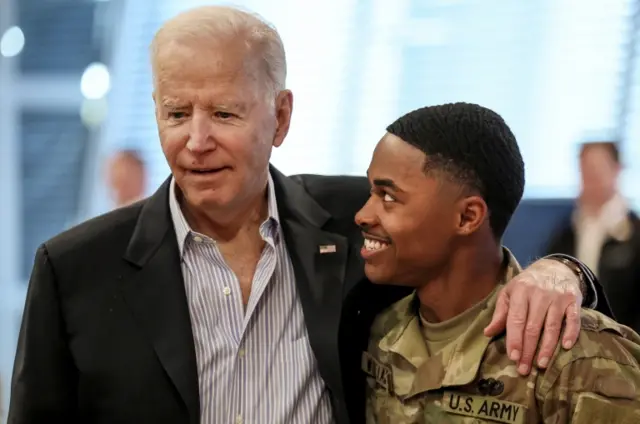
(595,409)
(484,407)
(379,371)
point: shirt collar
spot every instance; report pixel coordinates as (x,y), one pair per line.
(182,227)
(613,219)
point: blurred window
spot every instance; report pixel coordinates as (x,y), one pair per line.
(554,69)
(53,152)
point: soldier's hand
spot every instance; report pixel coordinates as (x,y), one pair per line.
(542,295)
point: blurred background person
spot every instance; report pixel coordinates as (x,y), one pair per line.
(126,177)
(603,231)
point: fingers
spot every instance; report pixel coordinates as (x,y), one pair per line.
(572,326)
(551,334)
(516,319)
(538,306)
(540,295)
(499,321)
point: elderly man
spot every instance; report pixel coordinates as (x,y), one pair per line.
(234,294)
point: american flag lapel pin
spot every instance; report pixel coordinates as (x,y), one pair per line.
(328,248)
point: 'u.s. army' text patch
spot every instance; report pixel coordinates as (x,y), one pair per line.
(484,407)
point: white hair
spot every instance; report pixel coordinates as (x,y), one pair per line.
(215,23)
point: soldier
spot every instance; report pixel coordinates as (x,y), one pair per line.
(445,181)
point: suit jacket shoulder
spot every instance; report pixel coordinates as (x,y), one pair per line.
(110,232)
(342,196)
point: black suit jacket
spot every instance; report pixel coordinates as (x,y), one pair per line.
(618,268)
(106,333)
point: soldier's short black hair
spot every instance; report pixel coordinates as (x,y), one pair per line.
(473,146)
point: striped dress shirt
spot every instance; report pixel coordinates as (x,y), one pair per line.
(255,366)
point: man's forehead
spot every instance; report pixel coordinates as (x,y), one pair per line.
(200,73)
(597,151)
(188,60)
(395,155)
(202,47)
(178,97)
(175,90)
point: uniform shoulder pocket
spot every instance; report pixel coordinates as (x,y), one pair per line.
(595,409)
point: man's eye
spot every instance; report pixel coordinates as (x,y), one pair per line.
(388,198)
(224,115)
(177,115)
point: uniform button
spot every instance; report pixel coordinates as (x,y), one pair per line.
(226,291)
(197,239)
(238,419)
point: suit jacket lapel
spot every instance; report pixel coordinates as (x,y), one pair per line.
(320,268)
(320,259)
(156,295)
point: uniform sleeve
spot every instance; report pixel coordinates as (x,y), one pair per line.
(592,390)
(593,292)
(43,388)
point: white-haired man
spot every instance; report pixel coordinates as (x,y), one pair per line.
(234,294)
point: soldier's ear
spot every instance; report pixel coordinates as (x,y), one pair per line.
(472,211)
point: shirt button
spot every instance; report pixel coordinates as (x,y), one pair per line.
(197,239)
(241,353)
(238,419)
(226,291)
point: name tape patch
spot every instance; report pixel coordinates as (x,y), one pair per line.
(379,371)
(484,407)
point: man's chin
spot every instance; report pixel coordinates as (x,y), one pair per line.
(208,199)
(377,275)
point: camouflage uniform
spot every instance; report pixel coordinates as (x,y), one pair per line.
(473,381)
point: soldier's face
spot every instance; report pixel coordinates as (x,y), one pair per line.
(410,218)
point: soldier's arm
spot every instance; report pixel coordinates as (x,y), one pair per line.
(594,390)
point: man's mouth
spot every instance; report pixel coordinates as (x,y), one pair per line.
(205,171)
(374,244)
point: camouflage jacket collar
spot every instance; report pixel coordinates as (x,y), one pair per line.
(455,365)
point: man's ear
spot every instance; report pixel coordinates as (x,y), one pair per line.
(472,213)
(284,110)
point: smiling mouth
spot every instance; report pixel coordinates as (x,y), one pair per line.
(374,245)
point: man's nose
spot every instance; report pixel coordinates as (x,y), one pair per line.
(201,134)
(365,217)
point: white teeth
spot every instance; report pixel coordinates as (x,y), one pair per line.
(374,244)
